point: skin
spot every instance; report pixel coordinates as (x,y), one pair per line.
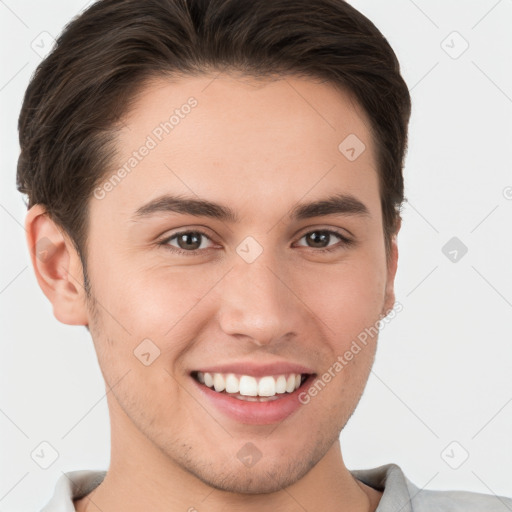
(260,148)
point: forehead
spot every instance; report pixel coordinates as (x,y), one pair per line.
(223,136)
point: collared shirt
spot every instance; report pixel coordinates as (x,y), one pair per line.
(399,493)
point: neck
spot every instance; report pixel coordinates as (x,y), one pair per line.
(142,477)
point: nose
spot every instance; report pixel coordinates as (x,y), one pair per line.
(257,301)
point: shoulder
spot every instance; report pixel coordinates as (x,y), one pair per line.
(458,501)
(71,486)
(401,493)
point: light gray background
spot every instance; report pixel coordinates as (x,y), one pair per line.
(444,365)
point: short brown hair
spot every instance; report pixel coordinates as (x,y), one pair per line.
(82,89)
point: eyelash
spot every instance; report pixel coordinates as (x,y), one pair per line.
(345,242)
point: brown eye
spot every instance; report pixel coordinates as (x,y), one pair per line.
(318,239)
(189,241)
(186,242)
(321,239)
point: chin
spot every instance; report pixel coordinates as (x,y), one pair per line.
(255,481)
(265,477)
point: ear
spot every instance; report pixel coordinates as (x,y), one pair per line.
(57,267)
(392,265)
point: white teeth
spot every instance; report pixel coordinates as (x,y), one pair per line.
(256,398)
(267,386)
(232,384)
(208,380)
(281,384)
(218,382)
(249,386)
(290,384)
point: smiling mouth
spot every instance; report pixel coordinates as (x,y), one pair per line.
(250,388)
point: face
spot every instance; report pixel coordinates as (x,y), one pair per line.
(256,286)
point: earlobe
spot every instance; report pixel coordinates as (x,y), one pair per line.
(57,267)
(392,266)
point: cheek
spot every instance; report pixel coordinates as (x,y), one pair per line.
(347,298)
(147,301)
(163,305)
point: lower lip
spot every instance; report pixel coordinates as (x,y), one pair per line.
(255,413)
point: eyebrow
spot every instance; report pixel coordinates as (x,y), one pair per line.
(339,204)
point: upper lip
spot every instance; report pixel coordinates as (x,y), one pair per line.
(257,370)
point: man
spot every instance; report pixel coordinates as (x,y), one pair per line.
(214,191)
